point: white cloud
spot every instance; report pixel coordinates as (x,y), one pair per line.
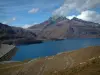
(4,22)
(9,20)
(78,5)
(14,18)
(34,10)
(28,25)
(88,16)
(71,17)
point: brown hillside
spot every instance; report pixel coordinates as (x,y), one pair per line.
(53,64)
(91,67)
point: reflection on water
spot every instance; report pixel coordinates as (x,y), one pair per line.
(52,48)
(9,55)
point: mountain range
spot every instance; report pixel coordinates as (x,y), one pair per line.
(61,27)
(52,29)
(15,35)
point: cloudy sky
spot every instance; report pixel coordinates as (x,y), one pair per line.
(29,12)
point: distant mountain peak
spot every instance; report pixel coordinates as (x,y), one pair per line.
(80,20)
(0,23)
(75,18)
(54,18)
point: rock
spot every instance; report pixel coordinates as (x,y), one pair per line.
(16,35)
(61,28)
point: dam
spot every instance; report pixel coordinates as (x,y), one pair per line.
(7,51)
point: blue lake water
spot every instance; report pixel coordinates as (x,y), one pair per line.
(52,47)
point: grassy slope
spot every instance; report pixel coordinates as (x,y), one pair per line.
(10,68)
(89,68)
(56,66)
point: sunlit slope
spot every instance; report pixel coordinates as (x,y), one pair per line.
(53,64)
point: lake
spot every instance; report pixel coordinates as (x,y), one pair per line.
(49,48)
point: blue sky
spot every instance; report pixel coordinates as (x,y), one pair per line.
(30,12)
(19,9)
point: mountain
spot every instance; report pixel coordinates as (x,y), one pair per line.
(16,35)
(51,20)
(54,28)
(42,26)
(61,27)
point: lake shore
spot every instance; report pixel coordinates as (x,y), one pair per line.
(53,64)
(7,51)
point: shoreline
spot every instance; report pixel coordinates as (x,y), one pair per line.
(46,65)
(38,41)
(7,51)
(60,53)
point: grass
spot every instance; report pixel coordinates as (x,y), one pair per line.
(90,68)
(8,69)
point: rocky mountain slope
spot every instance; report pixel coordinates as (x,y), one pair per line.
(61,27)
(16,35)
(52,29)
(83,62)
